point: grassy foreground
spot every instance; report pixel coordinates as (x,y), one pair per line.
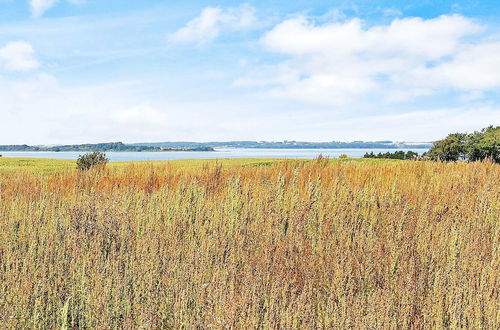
(286,245)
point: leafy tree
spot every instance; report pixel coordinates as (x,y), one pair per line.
(94,159)
(481,145)
(369,155)
(451,148)
(484,145)
(411,155)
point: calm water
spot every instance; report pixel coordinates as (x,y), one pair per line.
(219,153)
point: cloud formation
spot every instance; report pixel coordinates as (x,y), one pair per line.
(337,63)
(39,7)
(210,23)
(18,56)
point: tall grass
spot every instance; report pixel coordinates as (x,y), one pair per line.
(291,245)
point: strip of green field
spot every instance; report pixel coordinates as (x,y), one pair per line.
(48,166)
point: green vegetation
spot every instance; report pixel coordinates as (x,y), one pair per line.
(409,155)
(88,161)
(471,147)
(51,166)
(35,165)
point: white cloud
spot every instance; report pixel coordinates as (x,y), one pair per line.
(51,111)
(338,63)
(39,7)
(475,67)
(59,112)
(211,21)
(423,125)
(55,112)
(143,115)
(18,56)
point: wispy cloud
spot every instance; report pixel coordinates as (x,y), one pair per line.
(211,22)
(39,7)
(18,56)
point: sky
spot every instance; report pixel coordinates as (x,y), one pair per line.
(89,71)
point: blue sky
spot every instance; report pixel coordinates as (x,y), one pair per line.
(75,71)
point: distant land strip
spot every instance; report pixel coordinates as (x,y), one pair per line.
(294,145)
(209,146)
(103,147)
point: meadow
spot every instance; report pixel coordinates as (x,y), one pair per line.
(258,244)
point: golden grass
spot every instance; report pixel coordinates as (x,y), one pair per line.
(291,245)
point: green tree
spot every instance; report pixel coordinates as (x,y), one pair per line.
(450,149)
(369,155)
(484,145)
(410,155)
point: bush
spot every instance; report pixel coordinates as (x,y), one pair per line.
(343,156)
(322,160)
(94,159)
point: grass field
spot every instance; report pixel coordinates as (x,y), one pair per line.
(250,244)
(51,166)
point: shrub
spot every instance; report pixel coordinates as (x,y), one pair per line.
(94,159)
(322,160)
(343,156)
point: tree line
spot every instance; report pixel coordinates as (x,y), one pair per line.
(480,145)
(409,155)
(477,146)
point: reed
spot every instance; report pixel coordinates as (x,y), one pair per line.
(287,245)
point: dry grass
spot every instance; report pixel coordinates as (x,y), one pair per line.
(290,245)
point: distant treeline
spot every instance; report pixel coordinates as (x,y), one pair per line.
(477,146)
(409,155)
(103,147)
(290,145)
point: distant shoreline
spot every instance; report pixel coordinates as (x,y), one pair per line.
(102,147)
(210,146)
